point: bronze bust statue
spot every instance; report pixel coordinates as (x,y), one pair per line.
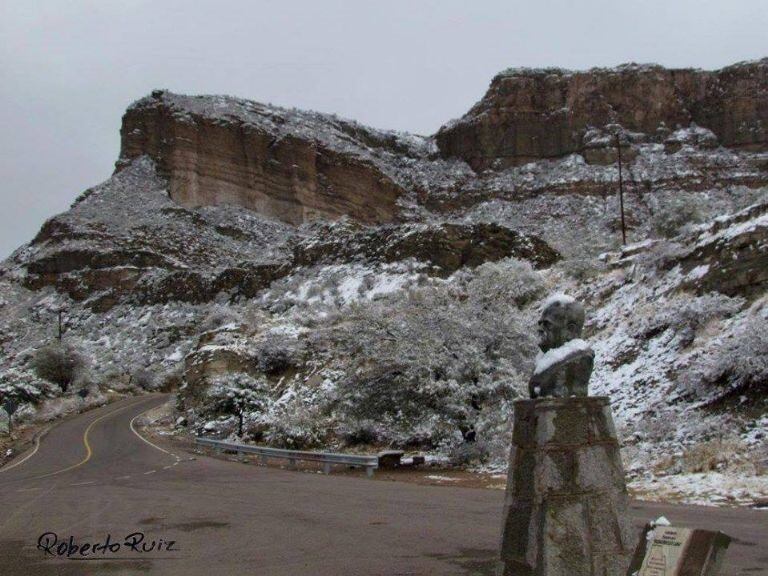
(565,365)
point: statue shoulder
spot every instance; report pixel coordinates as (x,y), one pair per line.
(576,350)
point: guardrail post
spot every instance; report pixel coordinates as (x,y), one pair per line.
(263,459)
(327,468)
(369,471)
(292,463)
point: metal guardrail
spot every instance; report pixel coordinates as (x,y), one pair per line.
(370,463)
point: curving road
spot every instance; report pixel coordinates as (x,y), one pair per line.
(94,475)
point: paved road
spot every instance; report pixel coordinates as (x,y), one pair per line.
(93,475)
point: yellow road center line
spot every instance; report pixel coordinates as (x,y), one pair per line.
(88,450)
(28,456)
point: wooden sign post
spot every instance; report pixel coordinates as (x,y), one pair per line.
(677,551)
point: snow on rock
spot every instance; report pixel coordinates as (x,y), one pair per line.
(704,489)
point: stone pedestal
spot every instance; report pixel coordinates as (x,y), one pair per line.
(565,511)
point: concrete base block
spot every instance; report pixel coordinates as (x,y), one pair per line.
(565,511)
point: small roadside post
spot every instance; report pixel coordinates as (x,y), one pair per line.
(10,406)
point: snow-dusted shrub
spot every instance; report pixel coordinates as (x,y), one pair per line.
(673,216)
(143,378)
(119,380)
(60,363)
(660,257)
(359,432)
(22,387)
(53,409)
(236,392)
(277,354)
(295,425)
(582,269)
(684,315)
(734,365)
(241,395)
(508,280)
(219,316)
(429,364)
(655,427)
(470,454)
(717,454)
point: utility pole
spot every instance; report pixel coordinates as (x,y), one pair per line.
(621,193)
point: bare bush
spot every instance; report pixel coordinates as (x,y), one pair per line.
(736,365)
(717,455)
(277,354)
(582,269)
(219,316)
(60,363)
(143,378)
(672,217)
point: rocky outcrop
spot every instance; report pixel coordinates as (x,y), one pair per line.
(730,256)
(291,165)
(445,246)
(547,113)
(126,241)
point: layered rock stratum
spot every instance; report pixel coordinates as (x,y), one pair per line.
(375,288)
(530,114)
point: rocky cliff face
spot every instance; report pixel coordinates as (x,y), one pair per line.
(298,166)
(291,165)
(532,114)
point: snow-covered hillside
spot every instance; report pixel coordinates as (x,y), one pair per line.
(415,332)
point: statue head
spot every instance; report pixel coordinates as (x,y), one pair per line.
(562,319)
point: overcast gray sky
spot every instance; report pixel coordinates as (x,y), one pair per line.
(68,69)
